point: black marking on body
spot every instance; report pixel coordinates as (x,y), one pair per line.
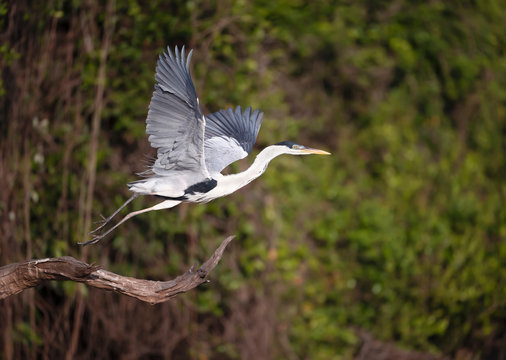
(201,187)
(198,188)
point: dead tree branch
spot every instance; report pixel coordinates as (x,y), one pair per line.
(17,277)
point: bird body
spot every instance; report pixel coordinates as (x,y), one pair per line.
(193,149)
(218,185)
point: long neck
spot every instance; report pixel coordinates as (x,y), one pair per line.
(256,169)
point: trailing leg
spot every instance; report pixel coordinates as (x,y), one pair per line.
(105,221)
(163,205)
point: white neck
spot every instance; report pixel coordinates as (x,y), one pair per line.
(236,181)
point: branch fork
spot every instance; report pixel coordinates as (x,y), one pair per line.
(16,277)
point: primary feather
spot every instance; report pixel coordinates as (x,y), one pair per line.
(175,122)
(186,140)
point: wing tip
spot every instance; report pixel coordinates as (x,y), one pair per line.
(179,54)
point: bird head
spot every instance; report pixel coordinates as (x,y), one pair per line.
(289,147)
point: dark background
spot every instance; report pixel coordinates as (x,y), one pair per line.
(396,241)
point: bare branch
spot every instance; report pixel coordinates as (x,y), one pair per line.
(17,277)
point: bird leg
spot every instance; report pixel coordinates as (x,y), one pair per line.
(104,221)
(97,238)
(163,205)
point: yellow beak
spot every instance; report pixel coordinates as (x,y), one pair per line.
(315,151)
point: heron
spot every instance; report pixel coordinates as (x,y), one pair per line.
(193,148)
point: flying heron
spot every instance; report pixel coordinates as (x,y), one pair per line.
(193,149)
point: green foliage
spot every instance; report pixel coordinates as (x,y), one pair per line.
(400,232)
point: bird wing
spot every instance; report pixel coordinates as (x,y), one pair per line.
(175,122)
(229,136)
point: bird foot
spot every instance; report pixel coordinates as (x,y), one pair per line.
(95,239)
(102,223)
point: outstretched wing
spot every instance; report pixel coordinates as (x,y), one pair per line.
(175,122)
(229,136)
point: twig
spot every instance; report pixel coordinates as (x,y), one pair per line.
(17,277)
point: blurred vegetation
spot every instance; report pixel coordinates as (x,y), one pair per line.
(400,233)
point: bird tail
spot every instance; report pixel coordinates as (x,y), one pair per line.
(138,186)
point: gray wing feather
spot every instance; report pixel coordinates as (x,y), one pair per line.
(229,136)
(175,122)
